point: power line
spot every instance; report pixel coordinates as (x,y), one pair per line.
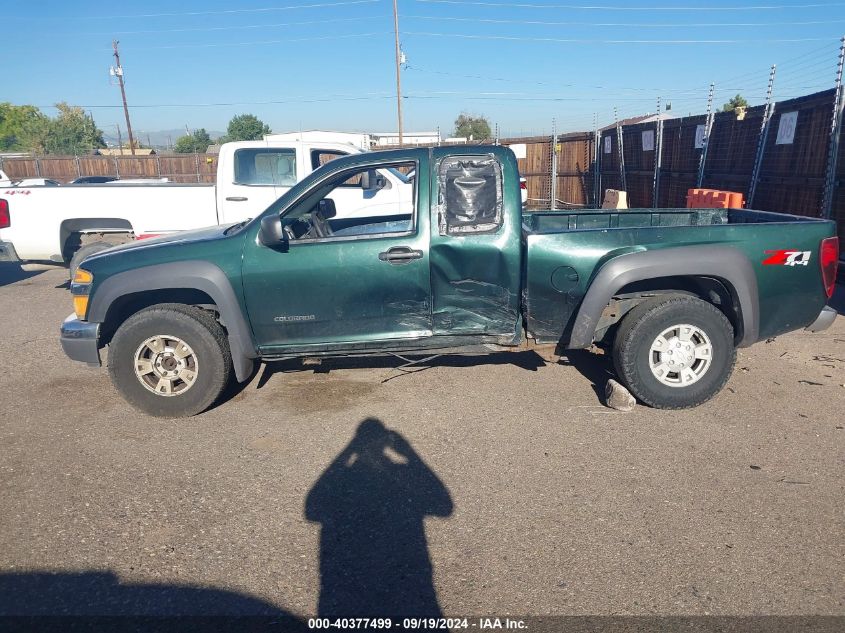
(757,73)
(576,7)
(259,42)
(195,13)
(606,41)
(620,24)
(559,85)
(324,98)
(231,28)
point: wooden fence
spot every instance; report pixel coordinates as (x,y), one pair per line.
(791,174)
(176,167)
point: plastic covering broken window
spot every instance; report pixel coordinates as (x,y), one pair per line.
(470,195)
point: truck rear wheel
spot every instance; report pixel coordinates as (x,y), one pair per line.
(674,352)
(170,360)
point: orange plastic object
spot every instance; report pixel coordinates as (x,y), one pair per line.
(714,199)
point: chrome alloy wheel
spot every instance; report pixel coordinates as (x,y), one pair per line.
(166,365)
(680,355)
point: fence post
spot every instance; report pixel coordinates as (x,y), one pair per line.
(658,157)
(596,162)
(620,146)
(761,141)
(158,165)
(37,167)
(835,131)
(116,167)
(553,193)
(197,163)
(78,167)
(708,125)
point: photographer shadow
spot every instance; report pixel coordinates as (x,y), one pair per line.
(371,503)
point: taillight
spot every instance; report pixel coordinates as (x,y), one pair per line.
(829,259)
(523,184)
(5,218)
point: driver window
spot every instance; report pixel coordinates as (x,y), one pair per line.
(379,204)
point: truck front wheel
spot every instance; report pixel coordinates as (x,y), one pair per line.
(170,360)
(674,352)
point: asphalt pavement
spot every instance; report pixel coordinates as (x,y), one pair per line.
(478,486)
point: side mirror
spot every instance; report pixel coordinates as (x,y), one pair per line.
(371,180)
(271,233)
(326,209)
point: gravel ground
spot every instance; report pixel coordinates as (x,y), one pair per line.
(507,487)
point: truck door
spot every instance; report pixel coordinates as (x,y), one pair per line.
(256,177)
(475,247)
(354,202)
(342,282)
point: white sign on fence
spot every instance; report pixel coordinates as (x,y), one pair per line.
(786,128)
(607,145)
(699,137)
(648,140)
(520,149)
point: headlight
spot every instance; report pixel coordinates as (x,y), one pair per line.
(80,288)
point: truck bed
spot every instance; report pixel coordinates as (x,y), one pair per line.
(592,219)
(563,250)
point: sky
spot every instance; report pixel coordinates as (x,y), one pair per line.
(329,64)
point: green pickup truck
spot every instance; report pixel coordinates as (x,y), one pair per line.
(456,267)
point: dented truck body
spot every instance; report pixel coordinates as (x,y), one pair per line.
(462,268)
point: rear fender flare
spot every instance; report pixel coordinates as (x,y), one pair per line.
(196,275)
(89,225)
(722,262)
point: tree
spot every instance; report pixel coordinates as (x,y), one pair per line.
(472,126)
(21,127)
(736,102)
(198,141)
(71,132)
(245,127)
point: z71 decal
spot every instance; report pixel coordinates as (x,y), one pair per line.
(787,258)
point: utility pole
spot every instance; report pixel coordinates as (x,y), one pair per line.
(118,72)
(398,69)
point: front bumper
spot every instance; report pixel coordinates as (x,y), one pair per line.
(7,252)
(80,340)
(825,319)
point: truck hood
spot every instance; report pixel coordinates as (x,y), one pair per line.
(179,237)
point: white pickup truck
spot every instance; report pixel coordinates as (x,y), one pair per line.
(65,224)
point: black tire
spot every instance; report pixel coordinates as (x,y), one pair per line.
(642,326)
(83,252)
(199,330)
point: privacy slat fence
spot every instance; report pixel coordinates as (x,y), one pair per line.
(176,167)
(791,174)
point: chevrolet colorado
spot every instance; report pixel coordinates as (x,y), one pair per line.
(460,268)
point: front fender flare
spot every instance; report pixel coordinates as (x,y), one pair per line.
(196,275)
(722,262)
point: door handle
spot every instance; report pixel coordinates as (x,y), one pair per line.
(400,255)
(237,199)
